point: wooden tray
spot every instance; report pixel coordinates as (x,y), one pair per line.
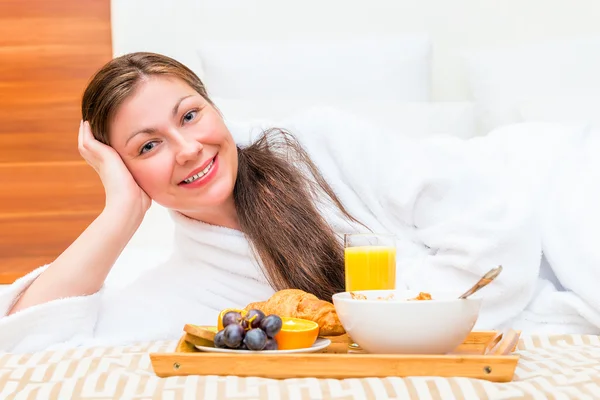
(483,355)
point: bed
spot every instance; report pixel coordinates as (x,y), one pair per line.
(551,367)
(461,68)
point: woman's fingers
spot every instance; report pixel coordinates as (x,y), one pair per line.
(89,148)
(88,138)
(95,149)
(80,138)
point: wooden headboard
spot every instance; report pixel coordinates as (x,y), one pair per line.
(48,194)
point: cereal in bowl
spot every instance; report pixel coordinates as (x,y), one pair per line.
(360,296)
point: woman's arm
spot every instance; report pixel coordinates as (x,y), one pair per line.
(82,268)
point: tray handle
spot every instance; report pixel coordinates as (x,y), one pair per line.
(505,343)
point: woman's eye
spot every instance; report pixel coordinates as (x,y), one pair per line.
(147,147)
(190,116)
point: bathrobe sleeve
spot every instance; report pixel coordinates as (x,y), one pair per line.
(66,321)
(443,196)
(154,306)
(146,309)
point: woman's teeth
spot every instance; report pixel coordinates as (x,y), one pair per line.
(200,174)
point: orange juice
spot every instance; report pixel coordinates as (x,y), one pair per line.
(370,268)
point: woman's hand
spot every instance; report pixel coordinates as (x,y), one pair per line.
(122,191)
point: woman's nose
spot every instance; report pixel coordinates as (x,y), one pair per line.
(188,149)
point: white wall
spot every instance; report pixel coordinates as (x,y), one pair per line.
(454,25)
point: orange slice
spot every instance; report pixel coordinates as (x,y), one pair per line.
(225,311)
(296,333)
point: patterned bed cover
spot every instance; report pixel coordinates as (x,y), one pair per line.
(551,367)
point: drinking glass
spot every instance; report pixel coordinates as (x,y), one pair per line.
(370,263)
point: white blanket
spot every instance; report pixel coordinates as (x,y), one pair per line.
(570,220)
(557,166)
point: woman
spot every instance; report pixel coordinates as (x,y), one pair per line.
(254,219)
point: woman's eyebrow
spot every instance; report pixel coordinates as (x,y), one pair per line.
(176,108)
(152,130)
(145,130)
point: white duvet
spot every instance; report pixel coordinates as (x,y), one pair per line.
(558,166)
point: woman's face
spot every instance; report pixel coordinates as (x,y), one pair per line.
(176,146)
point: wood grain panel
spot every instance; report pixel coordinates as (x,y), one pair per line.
(24,147)
(44,31)
(48,52)
(37,92)
(21,63)
(49,107)
(62,117)
(33,188)
(84,9)
(31,241)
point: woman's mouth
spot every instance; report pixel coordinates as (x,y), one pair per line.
(201,176)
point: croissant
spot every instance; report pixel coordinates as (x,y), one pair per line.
(297,303)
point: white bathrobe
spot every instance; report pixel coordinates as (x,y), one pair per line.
(458,209)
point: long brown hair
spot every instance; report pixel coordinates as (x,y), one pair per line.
(276,191)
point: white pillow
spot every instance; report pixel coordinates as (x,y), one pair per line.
(395,68)
(502,80)
(583,110)
(410,119)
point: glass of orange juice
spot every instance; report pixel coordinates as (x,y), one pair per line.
(370,263)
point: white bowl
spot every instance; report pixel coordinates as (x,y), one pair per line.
(400,326)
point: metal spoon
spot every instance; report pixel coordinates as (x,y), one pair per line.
(484,281)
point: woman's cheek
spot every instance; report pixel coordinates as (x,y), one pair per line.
(153,176)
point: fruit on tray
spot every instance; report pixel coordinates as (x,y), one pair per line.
(228,316)
(297,333)
(247,330)
(295,303)
(253,330)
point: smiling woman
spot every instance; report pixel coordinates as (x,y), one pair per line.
(156,114)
